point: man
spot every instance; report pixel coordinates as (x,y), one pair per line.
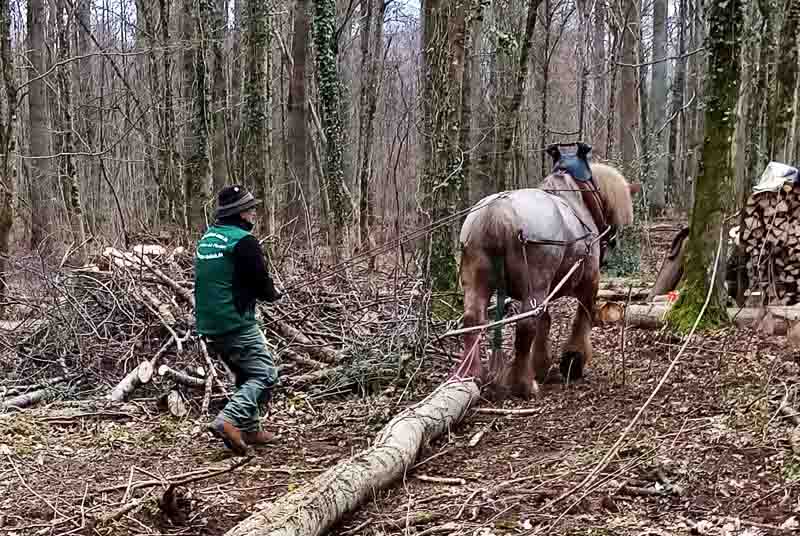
(230,275)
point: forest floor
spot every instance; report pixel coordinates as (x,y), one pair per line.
(711,455)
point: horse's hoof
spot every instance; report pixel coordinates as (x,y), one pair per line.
(571,365)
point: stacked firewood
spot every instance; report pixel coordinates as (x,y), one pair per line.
(770,237)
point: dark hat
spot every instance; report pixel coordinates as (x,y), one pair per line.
(233,200)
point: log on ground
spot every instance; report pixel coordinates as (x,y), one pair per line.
(782,317)
(315,507)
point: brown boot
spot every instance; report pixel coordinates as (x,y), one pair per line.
(229,434)
(262,437)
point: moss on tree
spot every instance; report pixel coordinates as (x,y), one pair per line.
(714,188)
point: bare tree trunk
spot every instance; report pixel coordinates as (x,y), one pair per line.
(472,27)
(219,96)
(299,180)
(39,169)
(658,108)
(786,76)
(548,21)
(628,112)
(8,121)
(504,156)
(170,202)
(584,14)
(65,145)
(598,62)
(677,126)
(196,164)
(371,59)
(256,153)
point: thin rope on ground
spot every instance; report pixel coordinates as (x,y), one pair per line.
(606,459)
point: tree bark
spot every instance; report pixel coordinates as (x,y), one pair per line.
(658,108)
(327,48)
(503,158)
(219,96)
(715,181)
(628,34)
(8,127)
(298,182)
(256,153)
(652,316)
(371,56)
(39,169)
(66,145)
(599,67)
(314,508)
(677,126)
(196,164)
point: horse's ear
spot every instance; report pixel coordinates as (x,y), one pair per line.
(554,153)
(583,150)
(635,188)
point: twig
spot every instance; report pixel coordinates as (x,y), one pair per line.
(24,483)
(504,411)
(442,480)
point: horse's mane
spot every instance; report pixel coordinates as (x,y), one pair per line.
(614,191)
(616,194)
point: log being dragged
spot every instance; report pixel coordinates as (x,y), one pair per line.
(316,506)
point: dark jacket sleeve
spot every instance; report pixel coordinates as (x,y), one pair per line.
(251,279)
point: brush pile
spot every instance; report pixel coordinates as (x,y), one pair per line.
(125,324)
(771,239)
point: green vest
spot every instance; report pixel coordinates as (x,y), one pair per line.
(213,282)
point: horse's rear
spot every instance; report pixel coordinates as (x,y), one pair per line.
(493,256)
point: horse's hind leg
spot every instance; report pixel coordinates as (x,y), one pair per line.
(578,350)
(541,350)
(475,273)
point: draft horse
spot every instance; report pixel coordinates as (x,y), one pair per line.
(526,241)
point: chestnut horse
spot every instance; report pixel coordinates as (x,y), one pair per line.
(526,241)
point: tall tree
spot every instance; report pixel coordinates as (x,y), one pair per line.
(8,120)
(327,48)
(714,187)
(628,35)
(65,144)
(39,168)
(257,117)
(298,180)
(658,108)
(677,125)
(196,20)
(219,95)
(513,107)
(371,49)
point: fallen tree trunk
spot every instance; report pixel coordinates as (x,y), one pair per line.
(617,294)
(780,318)
(316,506)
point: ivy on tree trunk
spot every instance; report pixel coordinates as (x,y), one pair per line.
(256,169)
(714,189)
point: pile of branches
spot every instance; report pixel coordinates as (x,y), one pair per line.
(125,324)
